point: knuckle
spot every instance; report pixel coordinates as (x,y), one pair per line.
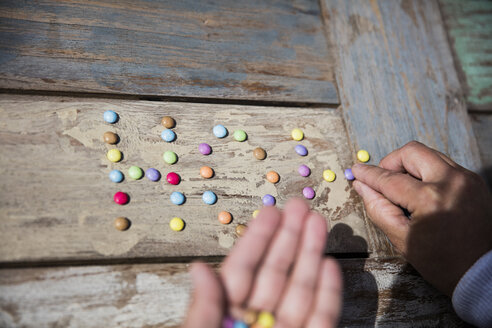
(433,197)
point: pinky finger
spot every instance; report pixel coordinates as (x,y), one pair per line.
(328,300)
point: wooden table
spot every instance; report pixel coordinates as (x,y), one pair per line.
(352,74)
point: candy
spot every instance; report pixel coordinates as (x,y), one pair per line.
(240,135)
(173,178)
(206,172)
(348,174)
(308,192)
(259,153)
(168,122)
(209,197)
(228,322)
(114,155)
(135,172)
(250,316)
(110,137)
(266,319)
(116,176)
(255,213)
(204,149)
(152,174)
(272,177)
(304,170)
(363,155)
(176,224)
(170,157)
(121,198)
(219,131)
(301,150)
(110,116)
(168,135)
(224,217)
(329,175)
(268,200)
(297,134)
(121,223)
(177,198)
(241,230)
(240,324)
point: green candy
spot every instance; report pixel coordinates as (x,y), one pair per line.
(170,157)
(240,135)
(135,172)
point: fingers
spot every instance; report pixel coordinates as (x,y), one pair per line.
(328,300)
(207,306)
(385,215)
(399,188)
(239,268)
(419,160)
(272,276)
(298,297)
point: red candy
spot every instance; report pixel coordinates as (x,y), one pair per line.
(121,198)
(173,178)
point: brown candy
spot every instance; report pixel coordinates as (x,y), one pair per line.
(241,230)
(122,223)
(110,137)
(259,153)
(168,122)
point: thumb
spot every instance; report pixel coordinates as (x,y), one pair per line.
(385,215)
(207,305)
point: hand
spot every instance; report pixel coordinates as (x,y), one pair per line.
(277,266)
(450,224)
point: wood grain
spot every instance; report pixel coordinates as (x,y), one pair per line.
(385,293)
(396,78)
(469,27)
(254,50)
(56,197)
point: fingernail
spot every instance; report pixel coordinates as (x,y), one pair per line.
(357,166)
(358,188)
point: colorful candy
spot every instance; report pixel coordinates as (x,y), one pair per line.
(177,198)
(297,134)
(240,135)
(168,122)
(170,157)
(266,319)
(121,198)
(116,176)
(304,170)
(152,174)
(206,172)
(348,174)
(301,150)
(219,131)
(176,224)
(224,217)
(308,192)
(114,155)
(259,153)
(135,172)
(110,137)
(329,175)
(268,200)
(272,177)
(228,322)
(204,149)
(241,230)
(168,135)
(173,178)
(122,223)
(110,116)
(240,324)
(209,197)
(255,213)
(363,155)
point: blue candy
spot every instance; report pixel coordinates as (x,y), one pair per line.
(220,131)
(209,197)
(168,135)
(110,116)
(240,324)
(301,150)
(116,176)
(177,198)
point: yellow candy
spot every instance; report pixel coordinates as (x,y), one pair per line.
(297,134)
(255,213)
(176,224)
(363,155)
(114,155)
(329,175)
(266,320)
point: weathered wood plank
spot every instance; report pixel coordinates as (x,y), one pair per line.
(253,50)
(396,77)
(384,293)
(469,26)
(482,126)
(56,198)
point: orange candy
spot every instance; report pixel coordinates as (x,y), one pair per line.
(224,217)
(206,172)
(272,176)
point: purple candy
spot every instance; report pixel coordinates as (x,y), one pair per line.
(227,322)
(204,148)
(301,150)
(152,174)
(349,175)
(268,200)
(308,192)
(304,170)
